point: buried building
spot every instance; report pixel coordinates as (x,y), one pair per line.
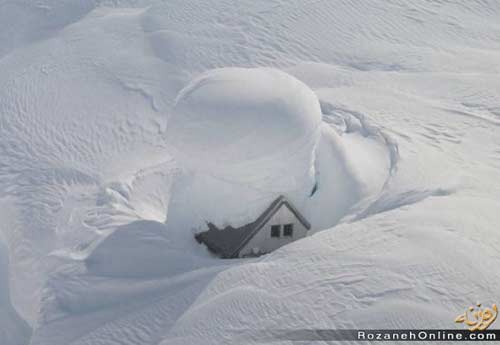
(280,224)
(242,138)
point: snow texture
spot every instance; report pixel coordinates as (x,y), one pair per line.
(244,137)
(106,130)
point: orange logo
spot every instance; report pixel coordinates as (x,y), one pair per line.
(477,318)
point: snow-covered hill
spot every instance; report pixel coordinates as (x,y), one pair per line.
(406,214)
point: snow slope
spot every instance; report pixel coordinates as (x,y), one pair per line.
(409,94)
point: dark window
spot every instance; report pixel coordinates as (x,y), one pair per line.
(288,230)
(275,230)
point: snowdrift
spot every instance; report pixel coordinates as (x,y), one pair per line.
(244,137)
(405,159)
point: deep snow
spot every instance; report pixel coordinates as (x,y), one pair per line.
(243,136)
(406,214)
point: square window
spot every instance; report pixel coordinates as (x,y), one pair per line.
(275,230)
(288,230)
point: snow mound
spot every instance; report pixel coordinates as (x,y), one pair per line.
(133,249)
(230,117)
(139,249)
(243,136)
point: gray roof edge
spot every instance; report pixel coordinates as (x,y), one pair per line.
(270,211)
(275,205)
(297,214)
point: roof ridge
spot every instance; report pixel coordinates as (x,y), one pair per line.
(247,231)
(264,217)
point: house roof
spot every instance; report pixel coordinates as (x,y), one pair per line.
(228,242)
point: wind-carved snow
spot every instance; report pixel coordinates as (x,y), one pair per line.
(406,165)
(244,137)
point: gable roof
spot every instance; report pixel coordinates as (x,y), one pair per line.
(228,242)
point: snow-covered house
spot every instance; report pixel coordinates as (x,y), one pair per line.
(238,134)
(281,223)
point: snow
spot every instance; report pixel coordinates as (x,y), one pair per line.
(234,116)
(130,251)
(406,158)
(14,330)
(244,136)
